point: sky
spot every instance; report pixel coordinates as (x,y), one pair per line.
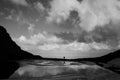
(19,17)
(57,28)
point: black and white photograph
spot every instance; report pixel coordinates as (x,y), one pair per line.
(59,39)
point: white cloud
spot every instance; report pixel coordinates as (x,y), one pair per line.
(35,41)
(61,10)
(50,46)
(40,6)
(40,38)
(20,2)
(92,13)
(9,17)
(22,38)
(31,28)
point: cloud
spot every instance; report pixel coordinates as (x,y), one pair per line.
(39,39)
(47,45)
(1,13)
(39,6)
(35,41)
(20,2)
(71,51)
(9,17)
(61,10)
(24,40)
(91,13)
(45,41)
(31,28)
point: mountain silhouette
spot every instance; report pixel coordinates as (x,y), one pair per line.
(10,53)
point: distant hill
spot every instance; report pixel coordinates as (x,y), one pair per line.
(110,61)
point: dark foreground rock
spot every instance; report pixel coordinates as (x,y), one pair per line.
(10,54)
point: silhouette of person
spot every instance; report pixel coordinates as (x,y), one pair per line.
(64,59)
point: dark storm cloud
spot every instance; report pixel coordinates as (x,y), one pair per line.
(6,7)
(107,35)
(71,22)
(13,17)
(104,35)
(16,11)
(74,15)
(72,36)
(67,36)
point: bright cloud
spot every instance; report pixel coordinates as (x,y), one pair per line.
(9,17)
(40,6)
(40,38)
(92,13)
(31,28)
(20,2)
(61,8)
(47,45)
(74,46)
